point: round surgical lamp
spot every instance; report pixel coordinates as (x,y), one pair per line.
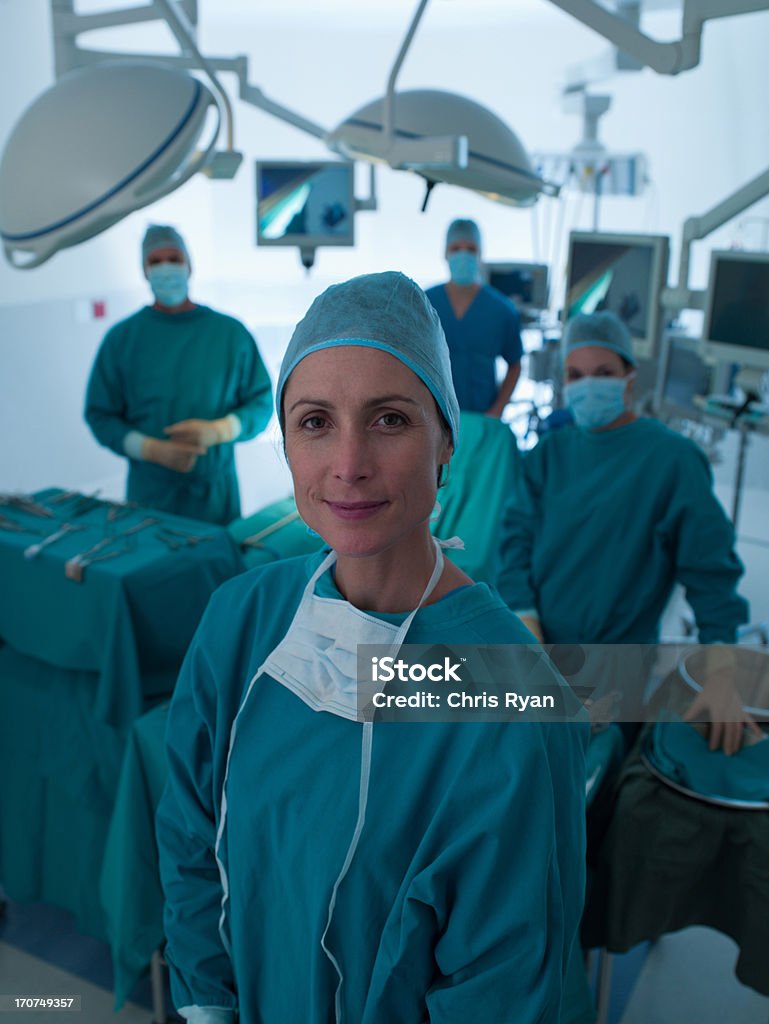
(497,164)
(103,141)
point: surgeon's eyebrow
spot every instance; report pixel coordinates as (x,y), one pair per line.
(384,399)
(589,373)
(318,402)
(321,403)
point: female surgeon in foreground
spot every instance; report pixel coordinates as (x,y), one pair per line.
(319,869)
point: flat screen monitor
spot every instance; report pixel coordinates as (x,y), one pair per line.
(524,283)
(621,273)
(684,377)
(305,203)
(736,326)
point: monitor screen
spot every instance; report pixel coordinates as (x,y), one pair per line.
(524,283)
(305,203)
(736,327)
(621,273)
(685,377)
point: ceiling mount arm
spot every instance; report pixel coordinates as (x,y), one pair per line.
(177,21)
(387,115)
(666,58)
(423,149)
(67,26)
(253,94)
(697,228)
(181,17)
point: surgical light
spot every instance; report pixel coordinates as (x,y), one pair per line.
(103,141)
(445,138)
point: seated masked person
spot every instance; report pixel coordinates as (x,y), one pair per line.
(318,865)
(607,516)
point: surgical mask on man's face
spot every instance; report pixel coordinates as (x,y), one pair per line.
(596,401)
(464,267)
(168,282)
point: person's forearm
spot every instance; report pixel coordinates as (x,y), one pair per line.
(506,389)
(109,429)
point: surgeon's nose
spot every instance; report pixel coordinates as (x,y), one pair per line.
(352,458)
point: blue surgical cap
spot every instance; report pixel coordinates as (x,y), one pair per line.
(605,330)
(162,236)
(463,231)
(385,311)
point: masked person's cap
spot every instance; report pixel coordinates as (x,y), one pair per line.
(387,311)
(162,236)
(463,231)
(604,330)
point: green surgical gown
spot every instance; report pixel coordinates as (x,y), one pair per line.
(602,524)
(154,369)
(465,891)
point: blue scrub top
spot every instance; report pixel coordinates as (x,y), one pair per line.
(464,895)
(491,327)
(602,524)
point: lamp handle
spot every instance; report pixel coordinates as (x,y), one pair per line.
(34,261)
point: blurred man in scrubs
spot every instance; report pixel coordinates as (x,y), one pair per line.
(480,324)
(174,386)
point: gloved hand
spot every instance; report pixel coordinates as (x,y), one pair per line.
(204,433)
(719,701)
(176,455)
(532,623)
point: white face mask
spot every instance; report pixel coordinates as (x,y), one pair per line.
(318,657)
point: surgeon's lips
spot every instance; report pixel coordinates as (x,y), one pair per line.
(355,509)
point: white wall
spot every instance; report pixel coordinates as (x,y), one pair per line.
(704,133)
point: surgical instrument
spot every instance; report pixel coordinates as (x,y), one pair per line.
(14,527)
(26,504)
(177,539)
(34,549)
(74,566)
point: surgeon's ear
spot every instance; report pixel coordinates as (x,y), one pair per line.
(443,465)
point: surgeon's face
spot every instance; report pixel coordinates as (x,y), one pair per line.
(364,443)
(463,245)
(168,254)
(594,361)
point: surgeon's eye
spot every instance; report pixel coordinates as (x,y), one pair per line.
(313,423)
(392,419)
